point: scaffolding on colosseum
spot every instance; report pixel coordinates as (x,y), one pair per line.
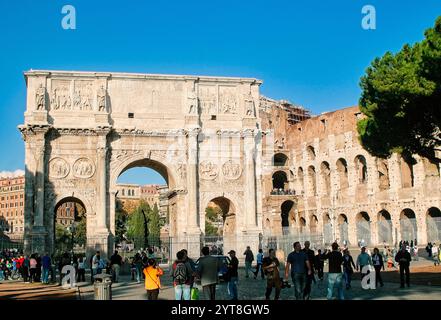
(295,113)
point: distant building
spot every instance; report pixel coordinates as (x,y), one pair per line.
(130,195)
(12,206)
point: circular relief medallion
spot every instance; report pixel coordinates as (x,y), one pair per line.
(208,170)
(58,168)
(83,168)
(231,170)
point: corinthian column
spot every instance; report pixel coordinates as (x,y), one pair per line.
(192,182)
(102,180)
(39,186)
(250,184)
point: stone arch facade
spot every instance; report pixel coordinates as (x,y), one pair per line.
(93,126)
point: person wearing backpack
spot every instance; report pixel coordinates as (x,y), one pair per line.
(181,273)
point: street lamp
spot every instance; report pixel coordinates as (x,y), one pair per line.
(72,229)
(146,230)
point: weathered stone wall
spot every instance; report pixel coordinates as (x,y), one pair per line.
(335,180)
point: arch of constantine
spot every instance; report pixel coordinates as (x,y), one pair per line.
(215,140)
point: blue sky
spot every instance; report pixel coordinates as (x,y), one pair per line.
(309,52)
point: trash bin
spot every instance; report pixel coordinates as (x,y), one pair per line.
(103,286)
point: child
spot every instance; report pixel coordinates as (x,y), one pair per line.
(152,280)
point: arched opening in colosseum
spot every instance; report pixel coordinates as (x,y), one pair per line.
(328,235)
(325,172)
(408,225)
(220,218)
(431,177)
(383,174)
(287,215)
(302,225)
(310,151)
(361,169)
(384,227)
(280,180)
(300,183)
(313,225)
(363,223)
(343,233)
(280,160)
(70,226)
(342,170)
(433,225)
(312,181)
(407,177)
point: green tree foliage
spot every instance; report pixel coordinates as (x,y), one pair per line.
(63,238)
(135,224)
(80,236)
(401,99)
(121,219)
(213,215)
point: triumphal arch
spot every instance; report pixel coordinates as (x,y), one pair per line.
(82,130)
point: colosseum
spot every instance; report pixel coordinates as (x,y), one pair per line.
(322,185)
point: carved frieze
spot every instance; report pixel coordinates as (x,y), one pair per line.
(181,169)
(208,170)
(208,99)
(231,170)
(58,168)
(60,97)
(227,100)
(83,168)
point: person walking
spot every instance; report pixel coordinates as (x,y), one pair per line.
(138,266)
(298,262)
(403,258)
(348,265)
(232,275)
(249,258)
(270,265)
(181,273)
(309,277)
(435,254)
(25,269)
(259,261)
(81,269)
(95,263)
(363,260)
(46,265)
(208,269)
(319,264)
(335,276)
(152,279)
(115,265)
(377,260)
(32,268)
(429,249)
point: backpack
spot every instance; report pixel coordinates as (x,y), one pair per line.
(180,273)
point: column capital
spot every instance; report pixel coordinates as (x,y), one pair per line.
(193,132)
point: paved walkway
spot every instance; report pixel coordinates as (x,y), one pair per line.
(425,280)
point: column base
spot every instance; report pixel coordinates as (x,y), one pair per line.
(100,242)
(37,240)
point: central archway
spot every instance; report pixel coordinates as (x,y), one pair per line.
(141,193)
